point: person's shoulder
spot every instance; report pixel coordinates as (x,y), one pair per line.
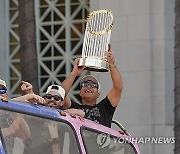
(75,104)
(104,100)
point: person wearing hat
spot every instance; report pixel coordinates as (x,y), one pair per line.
(54,97)
(103,111)
(14,124)
(26,98)
(30,97)
(3,89)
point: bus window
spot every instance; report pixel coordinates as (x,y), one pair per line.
(102,143)
(28,134)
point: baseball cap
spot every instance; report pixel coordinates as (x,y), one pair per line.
(58,89)
(90,78)
(3,83)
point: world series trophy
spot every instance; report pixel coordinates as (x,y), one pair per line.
(96,40)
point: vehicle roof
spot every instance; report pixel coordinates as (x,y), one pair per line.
(51,113)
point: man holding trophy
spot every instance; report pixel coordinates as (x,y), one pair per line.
(103,111)
(96,56)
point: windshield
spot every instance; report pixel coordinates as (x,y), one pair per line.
(102,143)
(26,134)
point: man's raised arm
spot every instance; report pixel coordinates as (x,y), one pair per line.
(114,95)
(68,82)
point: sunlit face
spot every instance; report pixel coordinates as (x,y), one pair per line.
(3,92)
(89,90)
(53,99)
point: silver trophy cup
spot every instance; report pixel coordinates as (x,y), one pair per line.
(96,40)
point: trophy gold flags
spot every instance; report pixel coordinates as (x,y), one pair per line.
(96,40)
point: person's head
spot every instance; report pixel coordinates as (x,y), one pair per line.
(89,89)
(55,96)
(3,89)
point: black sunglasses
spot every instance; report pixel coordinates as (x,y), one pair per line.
(56,97)
(3,91)
(93,85)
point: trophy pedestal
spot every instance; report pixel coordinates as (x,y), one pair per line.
(94,64)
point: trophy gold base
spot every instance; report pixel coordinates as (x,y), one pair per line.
(94,64)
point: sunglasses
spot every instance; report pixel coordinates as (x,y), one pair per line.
(92,85)
(3,91)
(56,97)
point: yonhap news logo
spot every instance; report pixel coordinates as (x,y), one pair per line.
(104,140)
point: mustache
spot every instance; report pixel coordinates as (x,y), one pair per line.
(54,105)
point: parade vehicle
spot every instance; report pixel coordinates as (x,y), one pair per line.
(27,128)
